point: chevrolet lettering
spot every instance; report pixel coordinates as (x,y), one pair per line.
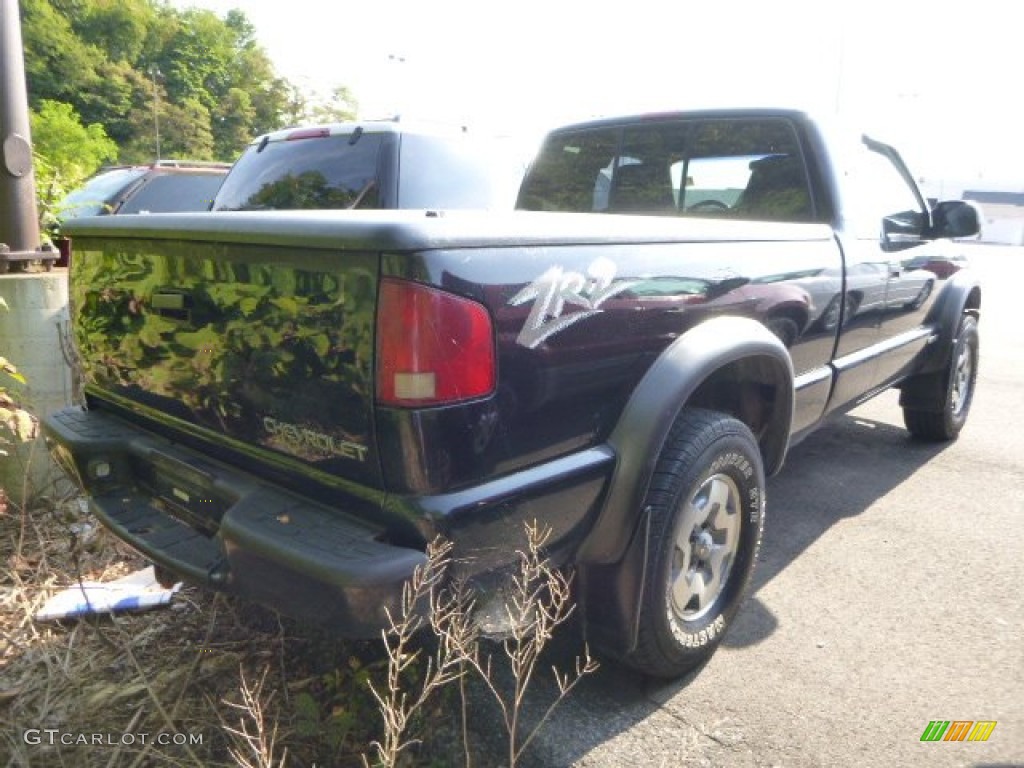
(300,437)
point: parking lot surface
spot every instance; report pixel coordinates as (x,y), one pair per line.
(888,595)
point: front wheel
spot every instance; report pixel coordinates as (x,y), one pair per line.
(706,515)
(953,390)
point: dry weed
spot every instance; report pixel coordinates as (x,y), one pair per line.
(539,601)
(255,748)
(234,684)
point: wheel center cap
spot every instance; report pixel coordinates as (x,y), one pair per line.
(702,545)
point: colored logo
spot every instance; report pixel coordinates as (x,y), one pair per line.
(958,730)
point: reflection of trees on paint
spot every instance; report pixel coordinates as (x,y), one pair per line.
(254,337)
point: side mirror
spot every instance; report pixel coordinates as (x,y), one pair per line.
(955,218)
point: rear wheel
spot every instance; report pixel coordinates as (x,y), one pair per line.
(953,390)
(706,514)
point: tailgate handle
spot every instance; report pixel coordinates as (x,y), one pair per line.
(173,304)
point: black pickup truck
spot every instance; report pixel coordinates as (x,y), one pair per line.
(290,405)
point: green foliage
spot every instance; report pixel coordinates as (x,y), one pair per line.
(75,150)
(119,27)
(185,129)
(339,106)
(333,715)
(120,63)
(66,153)
(59,64)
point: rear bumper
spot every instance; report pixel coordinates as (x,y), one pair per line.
(216,526)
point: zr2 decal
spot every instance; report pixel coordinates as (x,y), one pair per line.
(551,291)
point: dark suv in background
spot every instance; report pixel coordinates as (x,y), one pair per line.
(374,164)
(166,186)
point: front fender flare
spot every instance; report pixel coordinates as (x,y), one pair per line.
(663,391)
(961,293)
(925,390)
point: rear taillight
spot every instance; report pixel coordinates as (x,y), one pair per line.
(433,347)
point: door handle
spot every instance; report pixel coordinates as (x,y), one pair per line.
(174,305)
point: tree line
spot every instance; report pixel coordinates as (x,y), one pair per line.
(102,73)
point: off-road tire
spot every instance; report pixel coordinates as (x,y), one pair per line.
(952,388)
(708,487)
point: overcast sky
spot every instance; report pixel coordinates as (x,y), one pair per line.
(940,79)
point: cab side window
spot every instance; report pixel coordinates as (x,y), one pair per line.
(745,168)
(749,168)
(571,173)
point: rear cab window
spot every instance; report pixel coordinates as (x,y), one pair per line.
(751,168)
(324,172)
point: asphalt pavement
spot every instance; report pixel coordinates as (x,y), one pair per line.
(888,595)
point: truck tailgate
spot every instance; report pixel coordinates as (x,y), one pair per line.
(269,346)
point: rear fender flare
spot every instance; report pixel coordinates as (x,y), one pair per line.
(666,387)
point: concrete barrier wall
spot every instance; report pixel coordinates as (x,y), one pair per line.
(30,339)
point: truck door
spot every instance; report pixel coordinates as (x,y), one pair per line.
(902,244)
(884,220)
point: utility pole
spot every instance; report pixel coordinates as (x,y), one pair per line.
(19,218)
(154,73)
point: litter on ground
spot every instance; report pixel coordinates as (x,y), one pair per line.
(135,592)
